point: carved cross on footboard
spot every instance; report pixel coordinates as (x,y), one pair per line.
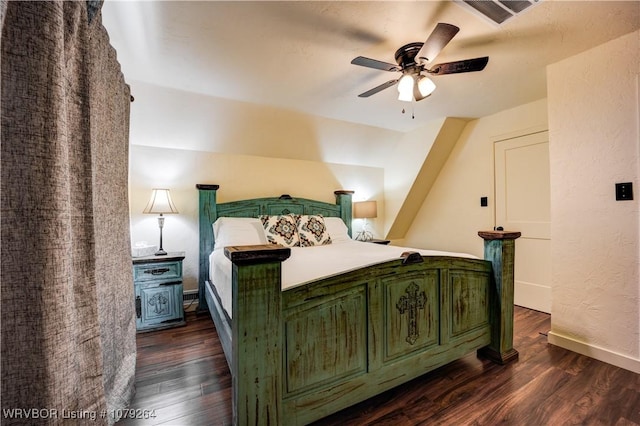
(411,303)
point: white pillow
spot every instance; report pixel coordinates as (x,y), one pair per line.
(337,229)
(238,231)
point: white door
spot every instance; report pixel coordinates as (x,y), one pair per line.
(523,204)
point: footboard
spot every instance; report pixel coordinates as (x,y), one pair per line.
(307,352)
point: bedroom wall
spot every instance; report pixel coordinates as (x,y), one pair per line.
(594,142)
(170,118)
(177,140)
(412,168)
(402,167)
(593,119)
(239,177)
(451,216)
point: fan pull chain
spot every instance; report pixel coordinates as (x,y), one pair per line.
(413,112)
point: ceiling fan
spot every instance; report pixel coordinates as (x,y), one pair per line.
(413,59)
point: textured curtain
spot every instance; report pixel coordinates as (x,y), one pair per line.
(67,313)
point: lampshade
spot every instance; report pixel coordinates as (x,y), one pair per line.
(365,209)
(160,203)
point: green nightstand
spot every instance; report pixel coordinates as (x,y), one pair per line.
(157,282)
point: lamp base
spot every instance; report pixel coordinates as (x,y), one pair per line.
(160,251)
(364,236)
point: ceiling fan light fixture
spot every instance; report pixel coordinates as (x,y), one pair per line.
(412,58)
(426,86)
(405,88)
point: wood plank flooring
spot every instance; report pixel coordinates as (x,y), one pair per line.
(183,377)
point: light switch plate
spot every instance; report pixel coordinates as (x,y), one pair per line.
(624,191)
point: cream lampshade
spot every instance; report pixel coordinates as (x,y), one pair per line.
(160,203)
(365,210)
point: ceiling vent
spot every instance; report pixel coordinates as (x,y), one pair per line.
(498,11)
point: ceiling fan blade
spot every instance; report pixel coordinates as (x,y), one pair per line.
(373,63)
(438,39)
(378,89)
(466,65)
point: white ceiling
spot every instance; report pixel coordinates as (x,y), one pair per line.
(296,54)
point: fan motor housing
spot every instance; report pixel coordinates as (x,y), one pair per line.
(405,56)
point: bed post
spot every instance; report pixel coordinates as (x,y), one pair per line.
(257,329)
(206,216)
(499,249)
(343,199)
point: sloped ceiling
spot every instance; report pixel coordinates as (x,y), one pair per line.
(296,54)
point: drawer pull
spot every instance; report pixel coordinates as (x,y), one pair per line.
(158,271)
(138,307)
(170,283)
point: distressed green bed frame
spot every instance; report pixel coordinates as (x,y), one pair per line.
(301,354)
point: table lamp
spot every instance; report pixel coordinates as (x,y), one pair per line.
(160,203)
(365,210)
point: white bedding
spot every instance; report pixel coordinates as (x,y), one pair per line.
(311,263)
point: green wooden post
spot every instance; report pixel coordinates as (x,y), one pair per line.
(499,249)
(257,333)
(343,199)
(207,215)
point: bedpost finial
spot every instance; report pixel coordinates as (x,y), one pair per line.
(499,235)
(207,187)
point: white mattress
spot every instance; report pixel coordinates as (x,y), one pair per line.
(311,263)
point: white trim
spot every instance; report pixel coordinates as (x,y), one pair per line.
(538,128)
(595,352)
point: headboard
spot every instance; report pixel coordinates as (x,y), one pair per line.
(210,210)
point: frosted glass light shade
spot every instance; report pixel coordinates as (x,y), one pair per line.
(426,86)
(405,88)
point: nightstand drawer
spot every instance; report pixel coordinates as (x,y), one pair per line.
(157,271)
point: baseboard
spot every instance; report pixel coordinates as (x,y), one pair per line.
(595,352)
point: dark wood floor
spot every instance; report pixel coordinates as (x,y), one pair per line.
(182,376)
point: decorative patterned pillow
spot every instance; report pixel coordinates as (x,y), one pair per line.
(281,229)
(312,230)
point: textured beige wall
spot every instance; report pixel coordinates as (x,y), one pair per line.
(412,170)
(451,216)
(403,165)
(181,138)
(593,120)
(239,177)
(170,118)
